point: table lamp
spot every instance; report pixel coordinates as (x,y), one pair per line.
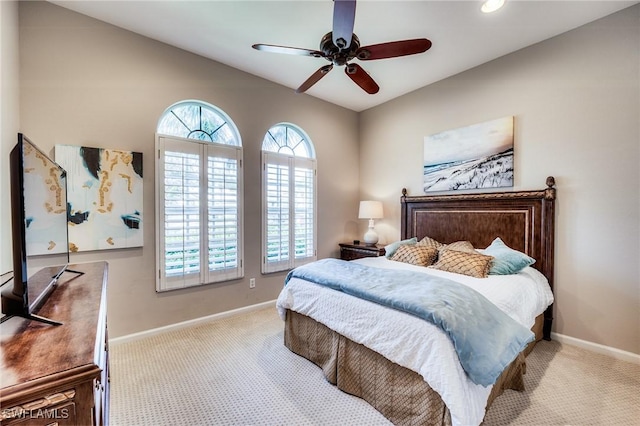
(370,210)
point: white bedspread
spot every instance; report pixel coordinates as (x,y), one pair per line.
(414,343)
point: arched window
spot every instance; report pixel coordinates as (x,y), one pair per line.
(288,198)
(199,194)
(197,120)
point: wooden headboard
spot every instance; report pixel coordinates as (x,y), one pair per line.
(524,220)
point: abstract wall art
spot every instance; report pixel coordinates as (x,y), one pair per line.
(476,156)
(105,197)
(44,204)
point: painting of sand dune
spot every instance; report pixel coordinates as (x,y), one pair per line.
(476,156)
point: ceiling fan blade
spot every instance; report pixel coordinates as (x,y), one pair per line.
(361,78)
(315,77)
(288,50)
(393,49)
(344,15)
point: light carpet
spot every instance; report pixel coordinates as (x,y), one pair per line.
(236,371)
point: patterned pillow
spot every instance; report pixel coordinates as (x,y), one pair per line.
(390,249)
(430,242)
(415,255)
(460,262)
(464,246)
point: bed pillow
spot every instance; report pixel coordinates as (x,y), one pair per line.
(460,262)
(430,242)
(415,255)
(390,249)
(506,261)
(464,246)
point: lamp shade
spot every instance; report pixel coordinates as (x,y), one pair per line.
(370,210)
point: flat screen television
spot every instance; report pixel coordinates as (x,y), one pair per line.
(39,228)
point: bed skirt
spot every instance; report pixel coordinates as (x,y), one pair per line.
(401,395)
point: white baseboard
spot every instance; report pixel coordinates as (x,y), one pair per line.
(596,347)
(190,323)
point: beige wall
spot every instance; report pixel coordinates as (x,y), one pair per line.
(87,83)
(575,99)
(9,119)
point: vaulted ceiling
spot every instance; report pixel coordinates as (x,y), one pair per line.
(463,37)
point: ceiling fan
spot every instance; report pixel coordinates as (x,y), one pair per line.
(341,46)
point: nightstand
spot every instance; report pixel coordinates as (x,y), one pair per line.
(356,251)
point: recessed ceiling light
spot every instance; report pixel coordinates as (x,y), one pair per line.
(491,5)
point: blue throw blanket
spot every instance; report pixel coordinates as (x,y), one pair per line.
(486,339)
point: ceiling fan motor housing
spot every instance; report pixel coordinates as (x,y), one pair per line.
(333,53)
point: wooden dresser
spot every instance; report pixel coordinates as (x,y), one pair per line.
(59,375)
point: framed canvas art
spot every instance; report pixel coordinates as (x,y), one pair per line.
(476,156)
(105,197)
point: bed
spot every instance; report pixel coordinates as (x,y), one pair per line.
(405,367)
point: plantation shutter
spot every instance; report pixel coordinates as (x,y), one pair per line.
(304,210)
(289,211)
(199,212)
(179,212)
(223,229)
(276,183)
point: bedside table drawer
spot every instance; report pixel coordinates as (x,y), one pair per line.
(358,251)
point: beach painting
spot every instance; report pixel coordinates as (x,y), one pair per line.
(476,156)
(104,197)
